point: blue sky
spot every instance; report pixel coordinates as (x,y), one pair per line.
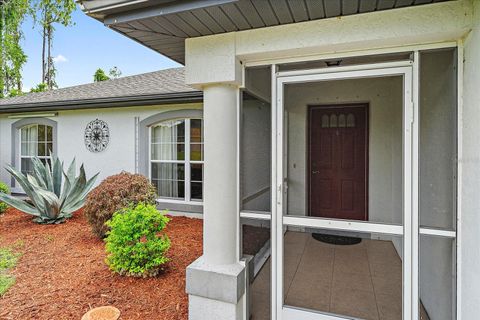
(84,47)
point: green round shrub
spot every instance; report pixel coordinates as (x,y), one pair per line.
(114,193)
(3,189)
(136,244)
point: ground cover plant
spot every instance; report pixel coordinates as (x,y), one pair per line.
(114,193)
(136,243)
(8,260)
(6,190)
(53,194)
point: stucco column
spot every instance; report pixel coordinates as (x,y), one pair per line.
(220,178)
(216,281)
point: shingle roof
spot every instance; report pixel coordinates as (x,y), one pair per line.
(158,83)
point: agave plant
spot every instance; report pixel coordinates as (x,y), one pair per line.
(54,194)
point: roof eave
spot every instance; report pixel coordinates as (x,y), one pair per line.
(82,104)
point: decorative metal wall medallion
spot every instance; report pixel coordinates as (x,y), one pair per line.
(97,135)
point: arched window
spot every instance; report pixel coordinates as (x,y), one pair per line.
(176,159)
(350,120)
(341,121)
(32,137)
(333,121)
(36,140)
(325,121)
(170,153)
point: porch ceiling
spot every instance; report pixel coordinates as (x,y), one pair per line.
(164,25)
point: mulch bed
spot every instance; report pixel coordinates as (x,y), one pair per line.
(62,273)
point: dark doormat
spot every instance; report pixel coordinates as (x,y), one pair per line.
(334,239)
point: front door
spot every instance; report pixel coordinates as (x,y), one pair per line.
(338,161)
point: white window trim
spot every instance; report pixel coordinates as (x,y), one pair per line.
(20,156)
(187,163)
(16,143)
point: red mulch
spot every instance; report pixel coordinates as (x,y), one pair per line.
(62,274)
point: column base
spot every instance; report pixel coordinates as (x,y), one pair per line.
(216,291)
(200,308)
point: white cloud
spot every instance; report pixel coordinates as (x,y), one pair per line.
(59,59)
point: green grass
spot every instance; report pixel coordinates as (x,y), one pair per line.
(6,282)
(8,260)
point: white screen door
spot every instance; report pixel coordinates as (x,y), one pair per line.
(307,273)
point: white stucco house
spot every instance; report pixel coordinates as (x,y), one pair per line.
(322,123)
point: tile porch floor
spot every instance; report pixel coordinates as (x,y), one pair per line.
(362,281)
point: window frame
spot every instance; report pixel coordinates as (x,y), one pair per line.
(16,142)
(144,153)
(187,162)
(45,157)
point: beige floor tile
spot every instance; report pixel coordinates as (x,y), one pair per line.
(387,269)
(309,293)
(354,303)
(351,265)
(388,285)
(352,247)
(357,254)
(352,281)
(320,266)
(260,307)
(379,244)
(318,249)
(389,307)
(290,266)
(262,283)
(384,255)
(297,238)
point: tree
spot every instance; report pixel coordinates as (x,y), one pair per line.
(115,73)
(49,13)
(41,87)
(100,76)
(12,57)
(14,93)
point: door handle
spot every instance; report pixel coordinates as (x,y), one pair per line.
(315,172)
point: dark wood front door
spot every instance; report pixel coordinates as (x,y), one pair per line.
(338,161)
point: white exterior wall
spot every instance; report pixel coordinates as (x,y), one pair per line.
(470,175)
(118,156)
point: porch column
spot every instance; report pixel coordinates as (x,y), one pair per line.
(216,281)
(220,189)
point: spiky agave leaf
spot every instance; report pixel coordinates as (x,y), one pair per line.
(23,182)
(71,171)
(49,180)
(39,171)
(78,202)
(76,189)
(57,175)
(19,204)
